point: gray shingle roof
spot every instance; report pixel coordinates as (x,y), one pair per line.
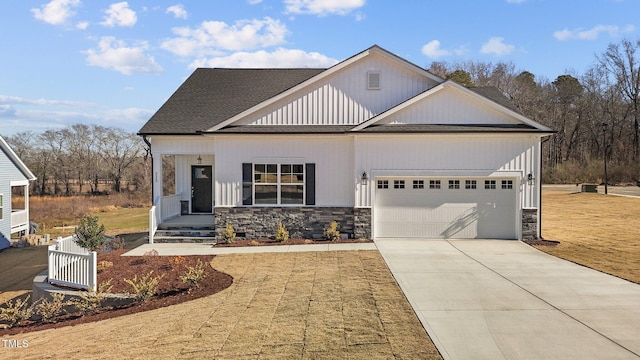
(211,96)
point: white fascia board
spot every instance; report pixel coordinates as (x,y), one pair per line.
(16,160)
(399,107)
(322,75)
(494,105)
(332,70)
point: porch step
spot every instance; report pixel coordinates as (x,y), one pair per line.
(185,233)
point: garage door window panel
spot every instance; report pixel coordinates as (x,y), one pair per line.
(454,184)
(418,184)
(434,184)
(398,184)
(490,184)
(383,184)
(507,184)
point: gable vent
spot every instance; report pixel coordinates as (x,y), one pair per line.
(373,80)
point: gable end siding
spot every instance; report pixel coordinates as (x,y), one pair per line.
(344,98)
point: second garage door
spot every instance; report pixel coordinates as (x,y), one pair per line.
(445,208)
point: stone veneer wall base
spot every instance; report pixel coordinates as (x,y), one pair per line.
(253,222)
(529,224)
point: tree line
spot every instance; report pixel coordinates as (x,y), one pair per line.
(84,159)
(592,113)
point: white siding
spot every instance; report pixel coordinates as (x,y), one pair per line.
(343,99)
(333,156)
(8,173)
(449,106)
(442,155)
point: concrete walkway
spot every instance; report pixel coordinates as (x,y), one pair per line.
(500,299)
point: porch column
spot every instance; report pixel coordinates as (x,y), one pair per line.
(157,179)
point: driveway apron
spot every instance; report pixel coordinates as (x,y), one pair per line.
(502,299)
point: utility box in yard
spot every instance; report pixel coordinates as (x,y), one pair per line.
(590,188)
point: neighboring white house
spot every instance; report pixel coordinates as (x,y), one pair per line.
(13,174)
(375,142)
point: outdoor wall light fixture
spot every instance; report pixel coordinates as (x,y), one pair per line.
(199,160)
(531,179)
(364,178)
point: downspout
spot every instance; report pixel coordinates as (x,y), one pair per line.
(146,141)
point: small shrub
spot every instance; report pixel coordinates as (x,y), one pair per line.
(229,235)
(90,301)
(254,243)
(117,243)
(89,234)
(308,241)
(332,233)
(176,260)
(194,275)
(282,234)
(103,265)
(49,310)
(152,252)
(15,313)
(144,287)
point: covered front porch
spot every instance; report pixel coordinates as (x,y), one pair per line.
(183,188)
(20,207)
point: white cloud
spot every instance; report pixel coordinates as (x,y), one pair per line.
(593,33)
(322,7)
(116,55)
(82,25)
(119,14)
(212,37)
(22,114)
(56,12)
(280,58)
(496,46)
(178,11)
(432,49)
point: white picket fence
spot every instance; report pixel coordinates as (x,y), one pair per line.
(71,265)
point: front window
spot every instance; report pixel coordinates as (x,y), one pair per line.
(276,184)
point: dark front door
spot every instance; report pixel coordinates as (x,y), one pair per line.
(201,184)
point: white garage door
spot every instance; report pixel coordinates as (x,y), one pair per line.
(483,208)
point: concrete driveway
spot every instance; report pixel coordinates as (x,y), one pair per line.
(501,299)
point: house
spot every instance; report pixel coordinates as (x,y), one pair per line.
(376,143)
(14,179)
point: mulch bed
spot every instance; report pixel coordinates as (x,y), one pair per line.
(268,242)
(542,242)
(171,289)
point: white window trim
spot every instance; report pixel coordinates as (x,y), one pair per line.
(278,183)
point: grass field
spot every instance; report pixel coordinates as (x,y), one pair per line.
(598,231)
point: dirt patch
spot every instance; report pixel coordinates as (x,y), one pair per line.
(266,242)
(171,289)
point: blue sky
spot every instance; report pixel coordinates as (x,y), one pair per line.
(115,63)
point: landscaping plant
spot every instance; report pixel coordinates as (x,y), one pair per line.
(15,313)
(282,234)
(332,233)
(194,275)
(89,234)
(49,310)
(90,301)
(229,235)
(144,287)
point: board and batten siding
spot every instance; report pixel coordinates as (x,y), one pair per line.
(333,156)
(343,98)
(446,107)
(8,173)
(447,155)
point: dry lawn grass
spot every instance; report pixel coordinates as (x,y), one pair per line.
(325,305)
(125,212)
(594,230)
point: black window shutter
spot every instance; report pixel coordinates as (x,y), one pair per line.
(310,184)
(247,182)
